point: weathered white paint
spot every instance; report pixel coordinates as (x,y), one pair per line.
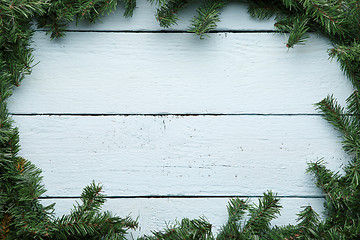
(154,73)
(178,73)
(155,213)
(204,155)
(233,17)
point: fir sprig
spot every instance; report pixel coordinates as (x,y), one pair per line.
(298,30)
(262,214)
(196,229)
(166,13)
(258,221)
(336,115)
(349,58)
(330,14)
(237,208)
(62,12)
(86,221)
(157,2)
(207,19)
(254,225)
(130,6)
(264,9)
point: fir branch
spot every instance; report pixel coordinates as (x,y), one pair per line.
(236,208)
(327,13)
(349,58)
(207,19)
(353,174)
(327,180)
(92,198)
(334,114)
(196,229)
(335,233)
(91,10)
(297,28)
(231,230)
(86,220)
(130,5)
(288,232)
(293,4)
(340,200)
(308,222)
(62,12)
(157,2)
(263,9)
(353,107)
(166,14)
(262,214)
(5,226)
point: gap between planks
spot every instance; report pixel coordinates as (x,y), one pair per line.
(183,197)
(163,31)
(166,114)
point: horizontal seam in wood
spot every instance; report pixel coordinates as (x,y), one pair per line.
(162,31)
(165,114)
(184,197)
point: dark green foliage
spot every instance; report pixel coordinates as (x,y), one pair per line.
(337,19)
(130,5)
(308,223)
(87,222)
(61,12)
(237,208)
(265,9)
(157,2)
(342,190)
(335,114)
(254,225)
(22,216)
(298,30)
(15,33)
(197,229)
(166,14)
(343,122)
(208,17)
(262,214)
(349,57)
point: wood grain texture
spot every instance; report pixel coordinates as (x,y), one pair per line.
(155,213)
(165,73)
(204,155)
(233,17)
(154,73)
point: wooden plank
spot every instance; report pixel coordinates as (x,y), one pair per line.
(155,213)
(178,73)
(233,17)
(171,155)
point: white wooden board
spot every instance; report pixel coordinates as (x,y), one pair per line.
(204,155)
(154,214)
(233,17)
(127,66)
(152,73)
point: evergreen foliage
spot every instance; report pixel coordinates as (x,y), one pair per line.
(255,227)
(87,222)
(207,18)
(22,216)
(166,13)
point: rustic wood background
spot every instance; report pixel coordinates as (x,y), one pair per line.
(172,125)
